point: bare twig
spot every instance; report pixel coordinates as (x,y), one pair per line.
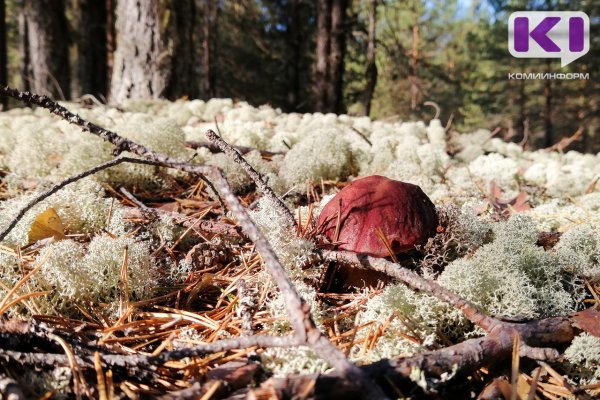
(242,342)
(213,227)
(246,307)
(256,177)
(362,135)
(133,199)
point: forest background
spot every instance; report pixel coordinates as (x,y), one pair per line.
(381,58)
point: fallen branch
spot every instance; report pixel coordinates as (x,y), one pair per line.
(435,368)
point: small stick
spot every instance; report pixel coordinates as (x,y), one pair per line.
(246,307)
(362,135)
(256,177)
(133,199)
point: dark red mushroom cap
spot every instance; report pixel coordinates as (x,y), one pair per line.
(401,211)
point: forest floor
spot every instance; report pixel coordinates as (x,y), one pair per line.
(169,281)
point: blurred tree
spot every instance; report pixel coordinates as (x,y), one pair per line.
(293,39)
(3,53)
(154,55)
(92,51)
(371,70)
(46,47)
(330,52)
(209,49)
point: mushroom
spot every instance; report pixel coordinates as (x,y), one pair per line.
(374,210)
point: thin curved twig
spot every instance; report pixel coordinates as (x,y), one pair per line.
(44,195)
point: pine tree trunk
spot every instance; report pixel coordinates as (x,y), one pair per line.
(48,45)
(322,57)
(335,95)
(294,43)
(3,54)
(183,81)
(25,68)
(209,32)
(111,36)
(92,52)
(371,72)
(154,56)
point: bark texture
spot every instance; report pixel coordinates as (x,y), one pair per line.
(209,48)
(154,53)
(48,47)
(331,48)
(294,44)
(92,51)
(3,54)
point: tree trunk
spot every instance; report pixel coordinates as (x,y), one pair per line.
(48,45)
(211,17)
(335,94)
(111,37)
(331,48)
(154,56)
(3,54)
(25,70)
(183,81)
(371,73)
(294,43)
(522,112)
(92,52)
(322,57)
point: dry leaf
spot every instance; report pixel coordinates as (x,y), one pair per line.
(504,208)
(46,225)
(588,321)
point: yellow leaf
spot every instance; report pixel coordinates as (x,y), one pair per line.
(46,225)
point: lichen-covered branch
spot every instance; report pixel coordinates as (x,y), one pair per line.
(256,177)
(434,368)
(214,148)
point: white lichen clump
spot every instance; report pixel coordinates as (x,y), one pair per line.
(512,276)
(324,154)
(579,251)
(80,273)
(583,355)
